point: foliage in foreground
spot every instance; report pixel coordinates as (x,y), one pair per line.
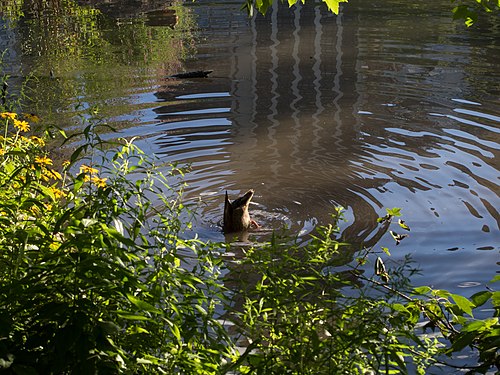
(305,314)
(98,279)
(94,278)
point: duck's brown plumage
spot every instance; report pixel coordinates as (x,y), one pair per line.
(236,215)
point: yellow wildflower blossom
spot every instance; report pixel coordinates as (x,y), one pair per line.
(86,169)
(54,174)
(39,141)
(8,115)
(43,160)
(22,125)
(32,117)
(66,163)
(99,182)
(2,151)
(58,193)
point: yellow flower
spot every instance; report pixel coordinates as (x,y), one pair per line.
(38,140)
(22,125)
(99,182)
(43,160)
(9,115)
(2,151)
(86,169)
(58,193)
(66,163)
(32,117)
(53,174)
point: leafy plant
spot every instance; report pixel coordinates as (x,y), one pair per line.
(307,315)
(304,313)
(96,278)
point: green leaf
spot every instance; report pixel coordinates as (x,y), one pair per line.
(400,307)
(176,332)
(495,279)
(463,303)
(45,191)
(88,222)
(462,341)
(133,317)
(143,305)
(118,236)
(421,290)
(76,154)
(480,325)
(441,293)
(495,298)
(481,298)
(144,361)
(396,211)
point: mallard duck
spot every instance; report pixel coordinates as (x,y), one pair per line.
(236,215)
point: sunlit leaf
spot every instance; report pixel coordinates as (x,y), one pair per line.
(441,293)
(463,303)
(481,298)
(176,332)
(133,317)
(421,290)
(480,325)
(495,298)
(399,307)
(143,305)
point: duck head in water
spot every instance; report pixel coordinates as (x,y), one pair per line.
(236,215)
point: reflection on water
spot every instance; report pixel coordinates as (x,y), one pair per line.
(314,111)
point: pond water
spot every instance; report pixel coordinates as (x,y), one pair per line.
(389,104)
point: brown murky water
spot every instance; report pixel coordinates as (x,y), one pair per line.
(381,106)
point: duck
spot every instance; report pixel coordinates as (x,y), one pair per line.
(236,214)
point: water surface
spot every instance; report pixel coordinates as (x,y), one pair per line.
(381,106)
